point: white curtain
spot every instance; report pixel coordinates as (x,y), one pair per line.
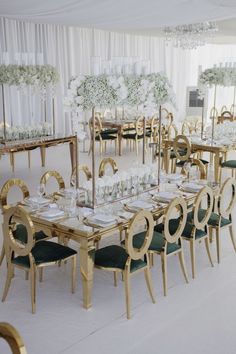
(69,49)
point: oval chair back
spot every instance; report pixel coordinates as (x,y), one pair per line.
(102,167)
(223,109)
(97,124)
(8,185)
(82,168)
(13,338)
(182,142)
(12,244)
(172,131)
(225,116)
(199,165)
(139,126)
(186,128)
(139,218)
(223,211)
(214,112)
(179,204)
(202,223)
(47,175)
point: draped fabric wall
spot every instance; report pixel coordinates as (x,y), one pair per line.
(69,49)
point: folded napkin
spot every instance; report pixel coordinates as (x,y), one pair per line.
(104,218)
(192,187)
(166,196)
(94,221)
(140,204)
(38,200)
(52,213)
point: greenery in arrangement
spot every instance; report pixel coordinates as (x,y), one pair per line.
(34,75)
(218,76)
(86,92)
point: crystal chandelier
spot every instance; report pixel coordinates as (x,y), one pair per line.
(190,36)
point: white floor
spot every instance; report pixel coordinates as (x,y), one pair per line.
(198,317)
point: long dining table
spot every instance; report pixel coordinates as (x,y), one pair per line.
(87,234)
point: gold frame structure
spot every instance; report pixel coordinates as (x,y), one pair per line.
(45,114)
(93,204)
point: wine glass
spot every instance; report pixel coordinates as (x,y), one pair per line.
(73,181)
(41,190)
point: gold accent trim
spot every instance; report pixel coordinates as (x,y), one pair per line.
(13,338)
(102,166)
(45,177)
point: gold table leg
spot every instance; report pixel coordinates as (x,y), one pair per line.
(43,154)
(166,153)
(87,251)
(217,166)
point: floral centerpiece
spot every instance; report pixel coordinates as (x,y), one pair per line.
(218,77)
(38,76)
(86,92)
(26,132)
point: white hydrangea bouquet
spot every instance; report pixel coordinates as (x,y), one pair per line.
(86,92)
(37,76)
(218,77)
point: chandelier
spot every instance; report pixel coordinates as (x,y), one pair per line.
(190,36)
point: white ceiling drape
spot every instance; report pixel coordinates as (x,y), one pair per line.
(69,49)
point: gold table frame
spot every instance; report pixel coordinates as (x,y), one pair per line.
(87,236)
(43,144)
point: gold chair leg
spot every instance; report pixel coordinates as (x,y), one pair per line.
(26,275)
(33,288)
(121,235)
(12,161)
(74,273)
(164,272)
(148,279)
(232,236)
(208,250)
(218,244)
(115,278)
(2,255)
(127,293)
(41,275)
(182,265)
(192,252)
(29,164)
(210,234)
(10,272)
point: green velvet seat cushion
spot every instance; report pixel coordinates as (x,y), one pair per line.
(229,164)
(45,252)
(214,218)
(157,243)
(115,256)
(181,163)
(105,137)
(172,154)
(110,131)
(173,225)
(20,233)
(132,136)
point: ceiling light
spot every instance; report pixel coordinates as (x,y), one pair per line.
(190,36)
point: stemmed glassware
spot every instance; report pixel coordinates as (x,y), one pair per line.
(41,190)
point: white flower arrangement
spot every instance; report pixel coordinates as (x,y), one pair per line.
(86,92)
(26,132)
(218,76)
(34,75)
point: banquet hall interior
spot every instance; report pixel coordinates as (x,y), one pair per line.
(117,152)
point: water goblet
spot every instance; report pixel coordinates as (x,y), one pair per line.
(41,190)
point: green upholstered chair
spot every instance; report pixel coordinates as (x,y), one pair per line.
(129,260)
(136,135)
(197,224)
(167,240)
(28,255)
(230,164)
(101,135)
(222,218)
(19,230)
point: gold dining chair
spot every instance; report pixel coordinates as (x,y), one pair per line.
(28,255)
(81,168)
(137,135)
(108,161)
(222,218)
(19,230)
(166,239)
(197,229)
(101,135)
(54,174)
(129,260)
(13,338)
(225,116)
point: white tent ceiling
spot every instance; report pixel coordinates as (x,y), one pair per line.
(130,15)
